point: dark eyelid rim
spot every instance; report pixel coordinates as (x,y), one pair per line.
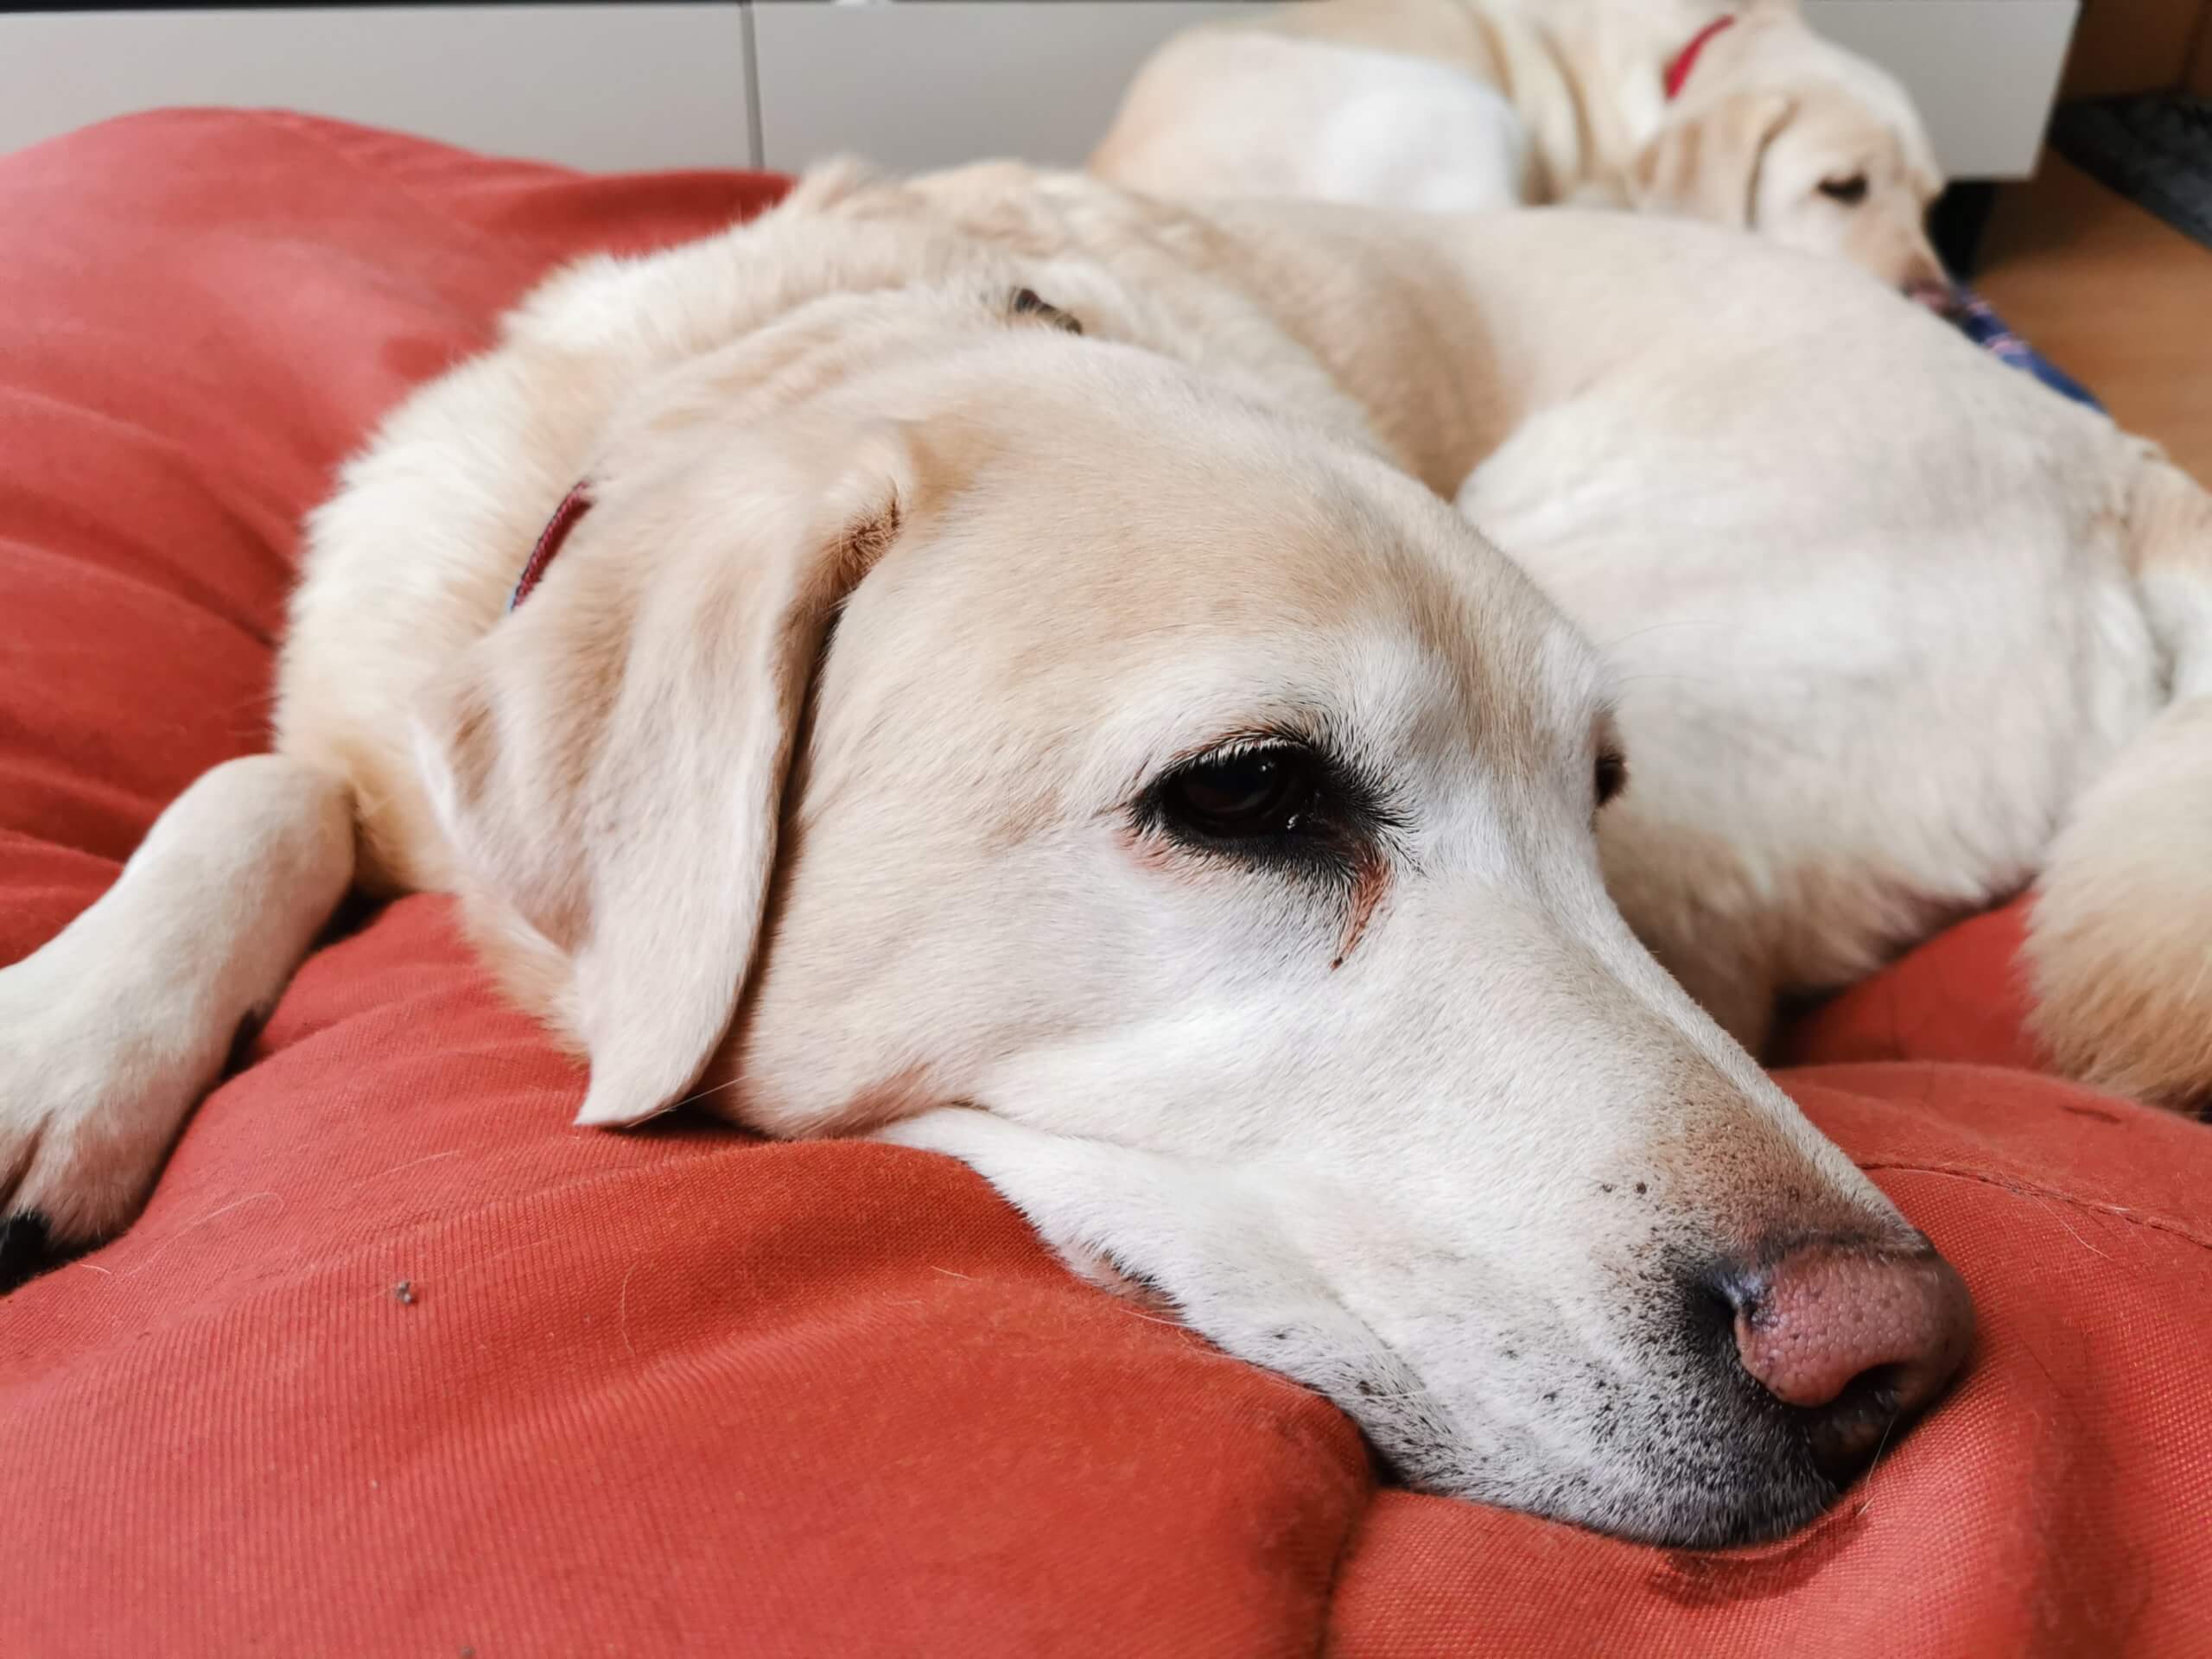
(1354,817)
(1614,759)
(1606,745)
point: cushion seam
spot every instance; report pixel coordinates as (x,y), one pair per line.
(316,133)
(1353,1528)
(2036,1189)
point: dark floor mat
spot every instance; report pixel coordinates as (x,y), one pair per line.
(2155,150)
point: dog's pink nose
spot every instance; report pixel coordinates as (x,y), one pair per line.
(1928,283)
(1938,296)
(1858,1337)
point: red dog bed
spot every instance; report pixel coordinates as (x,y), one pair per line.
(681,1390)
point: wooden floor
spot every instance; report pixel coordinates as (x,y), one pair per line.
(2113,296)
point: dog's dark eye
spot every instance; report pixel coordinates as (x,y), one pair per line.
(1242,795)
(1610,774)
(1850,192)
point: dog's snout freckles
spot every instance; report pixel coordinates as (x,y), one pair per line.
(1560,1353)
(1501,1204)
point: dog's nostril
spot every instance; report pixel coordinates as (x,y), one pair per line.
(1930,286)
(1857,1340)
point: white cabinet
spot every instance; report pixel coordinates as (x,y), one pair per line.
(608,86)
(933,83)
(927,83)
(908,83)
(1983,72)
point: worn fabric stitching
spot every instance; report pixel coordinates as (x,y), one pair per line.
(2032,1190)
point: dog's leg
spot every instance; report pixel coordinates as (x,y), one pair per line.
(111,1033)
(2119,940)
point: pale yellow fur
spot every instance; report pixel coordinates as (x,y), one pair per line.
(821,779)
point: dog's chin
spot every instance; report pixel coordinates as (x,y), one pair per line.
(1696,1509)
(1758,1515)
(1945,300)
(1710,1465)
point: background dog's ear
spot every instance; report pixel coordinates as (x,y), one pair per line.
(1707,165)
(608,762)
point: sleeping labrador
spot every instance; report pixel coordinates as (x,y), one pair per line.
(1729,111)
(1894,632)
(991,665)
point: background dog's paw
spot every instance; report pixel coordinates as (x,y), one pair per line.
(2119,939)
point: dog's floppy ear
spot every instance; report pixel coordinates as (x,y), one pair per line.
(1707,165)
(608,762)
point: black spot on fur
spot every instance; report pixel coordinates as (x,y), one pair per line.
(1026,302)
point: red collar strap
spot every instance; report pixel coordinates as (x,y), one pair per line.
(574,506)
(1686,59)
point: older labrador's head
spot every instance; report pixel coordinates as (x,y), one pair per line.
(1780,132)
(1187,822)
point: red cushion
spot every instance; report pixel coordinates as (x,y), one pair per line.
(683,1390)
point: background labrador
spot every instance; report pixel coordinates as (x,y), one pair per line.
(1054,730)
(1736,114)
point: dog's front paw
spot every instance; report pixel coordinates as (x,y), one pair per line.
(95,1079)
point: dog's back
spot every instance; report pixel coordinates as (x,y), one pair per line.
(2121,938)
